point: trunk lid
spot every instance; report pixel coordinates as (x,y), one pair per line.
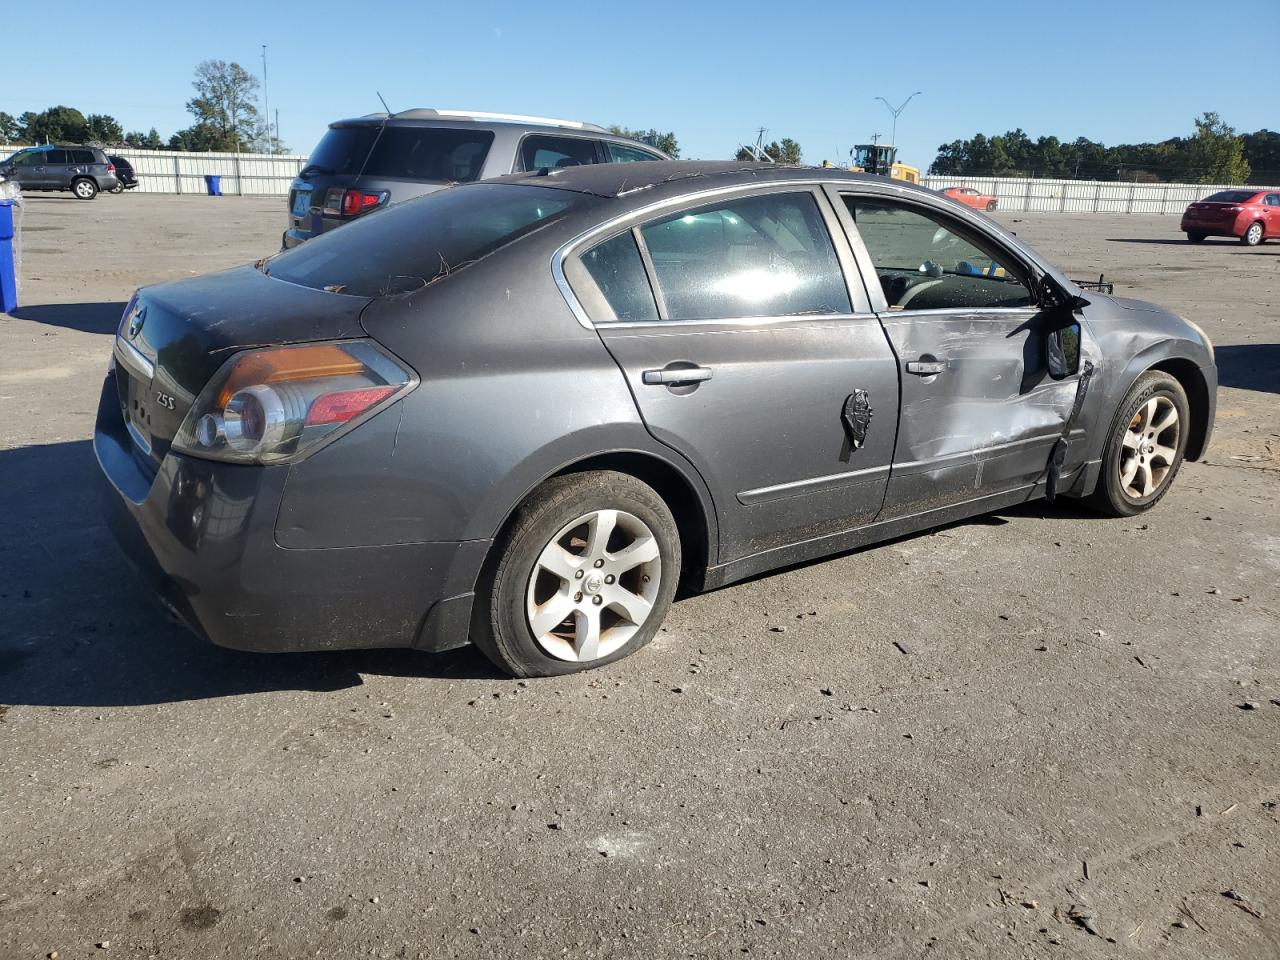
(175,336)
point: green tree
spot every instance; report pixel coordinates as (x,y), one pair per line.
(1215,154)
(56,125)
(153,141)
(9,127)
(224,107)
(666,142)
(788,151)
(104,129)
(1262,151)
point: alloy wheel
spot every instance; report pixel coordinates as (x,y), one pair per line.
(1149,448)
(1254,234)
(593,585)
(84,190)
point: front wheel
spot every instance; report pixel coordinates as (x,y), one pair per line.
(84,189)
(1145,448)
(991,205)
(1253,236)
(584,576)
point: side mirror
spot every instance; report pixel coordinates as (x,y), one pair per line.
(1062,351)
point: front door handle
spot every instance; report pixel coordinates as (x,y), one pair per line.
(926,368)
(670,376)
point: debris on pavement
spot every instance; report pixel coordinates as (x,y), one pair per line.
(1242,902)
(1083,917)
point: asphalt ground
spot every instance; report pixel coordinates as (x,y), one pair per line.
(1062,725)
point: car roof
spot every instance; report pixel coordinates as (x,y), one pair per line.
(624,179)
(422,117)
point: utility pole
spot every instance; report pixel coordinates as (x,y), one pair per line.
(896,111)
(275,144)
(266,101)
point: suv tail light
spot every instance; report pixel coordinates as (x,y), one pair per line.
(111,168)
(349,202)
(280,404)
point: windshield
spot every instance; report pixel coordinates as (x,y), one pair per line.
(406,247)
(1230,196)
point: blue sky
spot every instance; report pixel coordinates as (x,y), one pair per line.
(713,73)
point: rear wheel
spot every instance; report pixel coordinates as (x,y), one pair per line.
(584,576)
(1196,237)
(1253,235)
(991,205)
(1145,448)
(84,189)
(118,188)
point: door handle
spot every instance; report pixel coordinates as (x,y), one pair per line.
(926,368)
(675,375)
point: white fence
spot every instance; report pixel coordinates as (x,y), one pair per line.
(256,174)
(1086,196)
(168,171)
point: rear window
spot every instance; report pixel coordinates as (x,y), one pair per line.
(1230,196)
(439,154)
(406,247)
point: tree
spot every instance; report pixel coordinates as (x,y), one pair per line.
(55,125)
(1262,151)
(9,127)
(104,129)
(1215,154)
(788,151)
(224,107)
(666,142)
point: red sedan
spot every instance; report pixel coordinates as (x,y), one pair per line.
(972,198)
(1250,215)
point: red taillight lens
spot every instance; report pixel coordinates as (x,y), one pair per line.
(341,407)
(351,203)
(111,168)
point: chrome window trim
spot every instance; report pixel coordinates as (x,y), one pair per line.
(658,326)
(569,247)
(134,359)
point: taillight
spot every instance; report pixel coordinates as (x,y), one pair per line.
(339,202)
(111,168)
(280,404)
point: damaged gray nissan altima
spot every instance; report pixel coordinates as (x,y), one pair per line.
(520,412)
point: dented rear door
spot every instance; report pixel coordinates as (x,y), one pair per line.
(979,414)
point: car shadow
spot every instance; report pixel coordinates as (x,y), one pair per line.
(1207,242)
(1249,366)
(86,317)
(81,629)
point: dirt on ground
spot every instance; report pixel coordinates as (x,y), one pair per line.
(1034,734)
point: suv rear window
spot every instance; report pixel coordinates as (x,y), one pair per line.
(82,156)
(440,154)
(408,246)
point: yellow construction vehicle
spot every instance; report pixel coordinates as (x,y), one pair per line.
(882,158)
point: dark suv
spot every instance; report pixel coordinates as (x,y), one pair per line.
(370,162)
(82,170)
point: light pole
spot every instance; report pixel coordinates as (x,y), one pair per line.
(266,101)
(895,112)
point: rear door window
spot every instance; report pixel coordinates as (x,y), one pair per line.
(551,152)
(84,157)
(757,256)
(56,157)
(621,153)
(430,153)
(618,273)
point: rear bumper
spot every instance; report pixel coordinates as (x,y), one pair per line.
(1212,228)
(203,534)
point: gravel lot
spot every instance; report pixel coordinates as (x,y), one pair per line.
(1066,730)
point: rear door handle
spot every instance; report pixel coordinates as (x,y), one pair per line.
(926,368)
(675,375)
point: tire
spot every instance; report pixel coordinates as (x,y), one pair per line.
(514,619)
(84,189)
(1126,489)
(991,205)
(1253,234)
(1196,237)
(118,188)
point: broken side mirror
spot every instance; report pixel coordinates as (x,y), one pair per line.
(1062,350)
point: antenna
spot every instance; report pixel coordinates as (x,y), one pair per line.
(384,103)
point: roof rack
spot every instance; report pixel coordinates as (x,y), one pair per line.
(431,114)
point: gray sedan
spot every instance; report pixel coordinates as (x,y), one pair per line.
(523,412)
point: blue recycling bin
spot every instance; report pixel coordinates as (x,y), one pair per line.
(8,273)
(213,183)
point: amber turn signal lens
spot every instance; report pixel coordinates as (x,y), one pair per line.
(287,366)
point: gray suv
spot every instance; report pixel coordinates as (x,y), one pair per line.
(368,163)
(83,170)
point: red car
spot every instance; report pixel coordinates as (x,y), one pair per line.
(1250,215)
(972,198)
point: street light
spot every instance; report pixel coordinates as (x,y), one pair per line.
(901,107)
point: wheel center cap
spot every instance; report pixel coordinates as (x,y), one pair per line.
(1148,448)
(592,584)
